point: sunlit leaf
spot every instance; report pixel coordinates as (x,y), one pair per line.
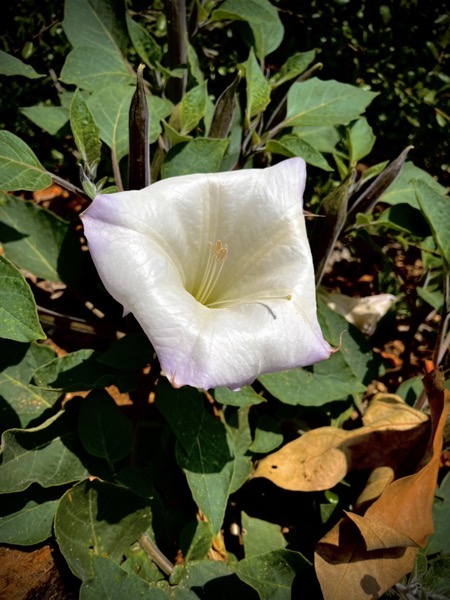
(18,315)
(19,167)
(95,517)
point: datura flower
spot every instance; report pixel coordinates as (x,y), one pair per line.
(217,269)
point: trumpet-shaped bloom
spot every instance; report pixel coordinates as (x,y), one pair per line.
(217,269)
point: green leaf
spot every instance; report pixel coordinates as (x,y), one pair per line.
(293,67)
(19,166)
(210,579)
(322,138)
(108,581)
(110,108)
(20,401)
(10,65)
(92,68)
(260,536)
(79,371)
(436,583)
(196,540)
(85,131)
(134,351)
(240,435)
(144,44)
(48,118)
(291,145)
(192,108)
(31,524)
(258,89)
(203,450)
(341,375)
(317,102)
(439,541)
(201,155)
(402,190)
(104,430)
(361,140)
(262,17)
(48,454)
(436,210)
(244,397)
(271,574)
(99,24)
(268,435)
(37,240)
(18,314)
(98,518)
(159,109)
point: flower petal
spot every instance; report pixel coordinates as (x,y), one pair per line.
(150,249)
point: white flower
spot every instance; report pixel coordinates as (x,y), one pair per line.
(217,269)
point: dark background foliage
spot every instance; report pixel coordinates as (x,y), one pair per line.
(398,48)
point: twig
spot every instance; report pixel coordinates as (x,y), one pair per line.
(155,554)
(116,171)
(68,186)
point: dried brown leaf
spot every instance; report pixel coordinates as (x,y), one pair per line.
(320,458)
(363,556)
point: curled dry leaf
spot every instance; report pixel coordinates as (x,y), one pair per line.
(364,555)
(320,458)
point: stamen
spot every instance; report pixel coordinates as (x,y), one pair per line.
(214,266)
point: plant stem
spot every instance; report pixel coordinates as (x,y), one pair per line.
(175,11)
(66,185)
(155,554)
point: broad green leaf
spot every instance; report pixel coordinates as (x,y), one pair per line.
(48,455)
(260,536)
(144,44)
(19,166)
(293,67)
(194,64)
(20,401)
(322,138)
(37,240)
(133,351)
(244,397)
(110,108)
(215,578)
(343,374)
(258,89)
(18,315)
(271,574)
(436,210)
(104,430)
(159,109)
(201,155)
(196,540)
(268,435)
(192,108)
(436,583)
(79,371)
(99,24)
(399,218)
(262,17)
(410,389)
(108,581)
(361,140)
(241,438)
(95,517)
(291,145)
(203,450)
(10,65)
(92,68)
(402,190)
(48,118)
(439,541)
(30,524)
(317,102)
(85,131)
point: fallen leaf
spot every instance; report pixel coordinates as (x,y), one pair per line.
(320,458)
(364,555)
